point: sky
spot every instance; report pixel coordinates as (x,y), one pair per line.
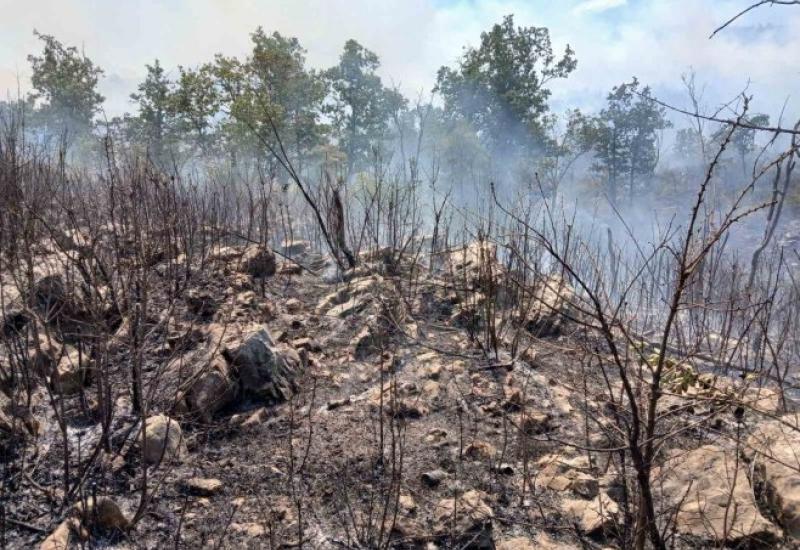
(655,40)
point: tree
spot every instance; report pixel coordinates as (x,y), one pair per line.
(625,137)
(271,93)
(360,106)
(154,124)
(196,103)
(500,88)
(743,140)
(65,82)
(567,142)
(689,145)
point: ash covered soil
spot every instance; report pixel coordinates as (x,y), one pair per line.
(371,409)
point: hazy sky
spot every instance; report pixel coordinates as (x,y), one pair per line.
(656,40)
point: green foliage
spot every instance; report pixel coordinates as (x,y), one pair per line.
(196,103)
(155,123)
(743,140)
(625,138)
(463,158)
(500,88)
(272,91)
(360,107)
(565,144)
(65,88)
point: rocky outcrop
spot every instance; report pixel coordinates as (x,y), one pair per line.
(59,539)
(466,518)
(296,248)
(101,514)
(161,439)
(542,542)
(68,376)
(258,261)
(574,474)
(774,447)
(550,307)
(49,296)
(264,369)
(17,422)
(711,496)
(201,303)
(44,354)
(211,389)
(201,486)
(598,515)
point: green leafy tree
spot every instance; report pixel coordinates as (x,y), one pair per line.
(155,121)
(272,95)
(501,87)
(566,143)
(360,106)
(743,140)
(625,138)
(65,87)
(196,104)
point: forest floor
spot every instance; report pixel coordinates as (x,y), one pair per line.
(370,413)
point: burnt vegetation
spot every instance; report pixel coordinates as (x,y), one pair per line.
(283,307)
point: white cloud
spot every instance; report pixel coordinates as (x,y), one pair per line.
(597,6)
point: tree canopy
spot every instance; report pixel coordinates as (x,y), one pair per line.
(501,87)
(65,82)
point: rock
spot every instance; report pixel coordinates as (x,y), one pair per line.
(251,530)
(44,354)
(289,268)
(17,423)
(518,543)
(407,505)
(293,305)
(473,256)
(104,514)
(161,438)
(182,337)
(774,447)
(533,422)
(710,487)
(434,478)
(259,262)
(370,340)
(211,389)
(49,297)
(334,404)
(469,517)
(762,400)
(558,473)
(307,343)
(59,539)
(550,307)
(354,305)
(593,516)
(408,408)
(225,254)
(204,487)
(68,376)
(295,248)
(201,303)
(542,542)
(436,436)
(14,321)
(479,450)
(257,418)
(264,369)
